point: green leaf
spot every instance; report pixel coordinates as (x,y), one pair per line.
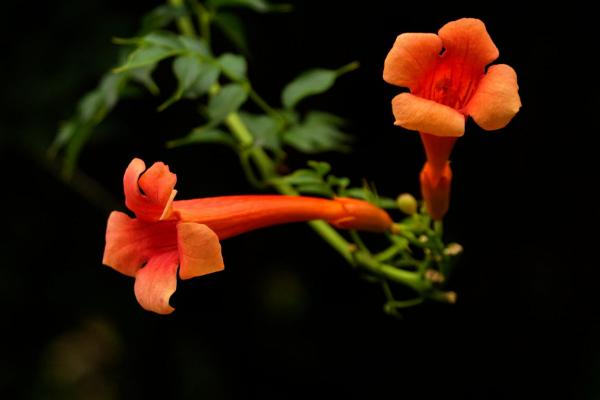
(91,110)
(367,194)
(307,84)
(256,5)
(204,135)
(234,66)
(322,168)
(187,69)
(94,105)
(195,45)
(165,39)
(226,101)
(66,131)
(109,89)
(145,56)
(304,176)
(320,189)
(264,129)
(233,28)
(339,183)
(90,106)
(320,117)
(308,181)
(316,135)
(206,78)
(161,16)
(73,148)
(143,76)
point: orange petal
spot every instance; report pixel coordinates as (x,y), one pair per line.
(496,100)
(418,114)
(131,242)
(229,216)
(467,40)
(149,194)
(411,58)
(156,282)
(436,191)
(199,250)
(361,215)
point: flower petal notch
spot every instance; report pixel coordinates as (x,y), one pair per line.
(149,193)
(156,282)
(467,41)
(168,236)
(455,78)
(447,78)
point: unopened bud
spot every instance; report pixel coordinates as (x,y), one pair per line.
(434,276)
(453,249)
(407,203)
(451,297)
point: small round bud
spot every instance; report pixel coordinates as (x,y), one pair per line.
(451,297)
(407,203)
(434,276)
(453,249)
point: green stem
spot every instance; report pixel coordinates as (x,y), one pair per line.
(388,253)
(357,239)
(267,169)
(344,69)
(405,303)
(259,101)
(335,240)
(411,279)
(239,130)
(438,228)
(184,23)
(328,233)
(249,171)
(204,19)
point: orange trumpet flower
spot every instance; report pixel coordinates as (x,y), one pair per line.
(168,235)
(447,77)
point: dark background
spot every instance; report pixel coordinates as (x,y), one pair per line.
(288,319)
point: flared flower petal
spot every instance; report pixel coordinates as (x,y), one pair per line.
(418,114)
(156,282)
(199,250)
(467,40)
(496,100)
(149,193)
(131,242)
(411,58)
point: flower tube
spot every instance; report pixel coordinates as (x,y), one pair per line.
(447,78)
(170,236)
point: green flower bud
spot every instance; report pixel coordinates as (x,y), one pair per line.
(407,203)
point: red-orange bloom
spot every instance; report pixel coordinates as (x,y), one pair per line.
(447,77)
(167,235)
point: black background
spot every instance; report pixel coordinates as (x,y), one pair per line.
(288,319)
